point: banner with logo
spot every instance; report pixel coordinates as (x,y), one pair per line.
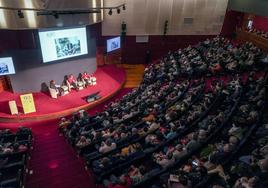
(27,102)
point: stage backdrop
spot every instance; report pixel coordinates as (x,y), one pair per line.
(31,72)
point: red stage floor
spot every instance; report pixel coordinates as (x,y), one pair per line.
(110,80)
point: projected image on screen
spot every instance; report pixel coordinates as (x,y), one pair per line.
(6,66)
(3,68)
(67,46)
(64,43)
(113,44)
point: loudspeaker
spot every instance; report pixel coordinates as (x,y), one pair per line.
(123,30)
(165,27)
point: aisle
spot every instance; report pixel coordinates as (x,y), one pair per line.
(54,163)
(134,74)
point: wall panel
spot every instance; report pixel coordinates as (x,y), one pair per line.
(147,17)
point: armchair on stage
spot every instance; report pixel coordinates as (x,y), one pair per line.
(93,80)
(70,82)
(53,93)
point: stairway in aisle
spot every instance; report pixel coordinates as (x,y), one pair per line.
(134,74)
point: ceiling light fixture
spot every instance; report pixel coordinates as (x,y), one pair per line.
(118,11)
(110,12)
(55,14)
(20,14)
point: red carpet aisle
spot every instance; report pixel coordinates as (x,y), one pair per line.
(53,161)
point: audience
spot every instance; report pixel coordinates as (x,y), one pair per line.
(154,121)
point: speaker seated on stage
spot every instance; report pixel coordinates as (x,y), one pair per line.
(65,86)
(80,82)
(72,82)
(86,78)
(54,89)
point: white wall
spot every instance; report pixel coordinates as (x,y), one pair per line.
(147,17)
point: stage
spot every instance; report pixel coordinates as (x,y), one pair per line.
(110,79)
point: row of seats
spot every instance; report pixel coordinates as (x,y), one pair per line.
(217,150)
(249,167)
(141,127)
(169,154)
(261,33)
(14,156)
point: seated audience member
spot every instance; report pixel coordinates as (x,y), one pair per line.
(63,124)
(136,174)
(83,141)
(19,147)
(164,160)
(24,130)
(124,181)
(178,152)
(5,132)
(149,118)
(7,148)
(245,182)
(72,82)
(107,146)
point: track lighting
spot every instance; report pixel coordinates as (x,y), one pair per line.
(124,7)
(118,11)
(20,14)
(56,16)
(110,12)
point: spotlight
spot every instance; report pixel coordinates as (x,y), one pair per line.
(124,7)
(20,14)
(110,12)
(118,11)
